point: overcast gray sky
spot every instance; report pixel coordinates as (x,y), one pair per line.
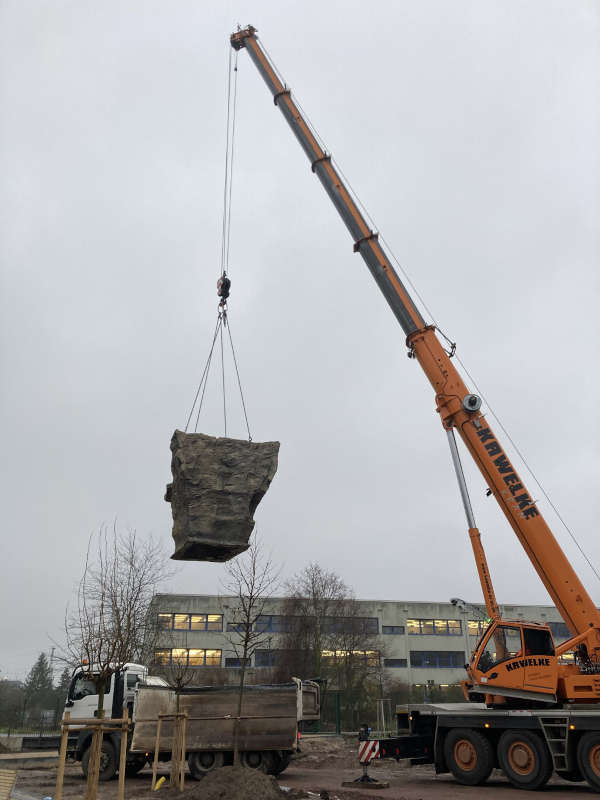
(469,129)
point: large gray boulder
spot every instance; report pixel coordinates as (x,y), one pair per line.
(217,485)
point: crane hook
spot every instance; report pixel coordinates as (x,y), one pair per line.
(223,288)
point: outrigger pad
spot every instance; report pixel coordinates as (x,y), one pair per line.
(217,485)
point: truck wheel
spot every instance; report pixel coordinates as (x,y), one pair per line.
(588,758)
(524,759)
(469,756)
(281,762)
(133,767)
(202,763)
(108,762)
(262,760)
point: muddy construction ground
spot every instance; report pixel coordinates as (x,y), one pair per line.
(317,772)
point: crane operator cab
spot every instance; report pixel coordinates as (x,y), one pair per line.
(513,660)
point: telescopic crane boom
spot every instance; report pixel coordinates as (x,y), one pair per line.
(459,410)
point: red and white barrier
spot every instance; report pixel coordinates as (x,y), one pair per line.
(367,751)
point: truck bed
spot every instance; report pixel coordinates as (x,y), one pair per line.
(268,720)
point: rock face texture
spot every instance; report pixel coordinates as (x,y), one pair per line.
(217,485)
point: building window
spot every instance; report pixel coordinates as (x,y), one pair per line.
(367,625)
(179,656)
(237,627)
(162,656)
(184,657)
(369,658)
(235,663)
(476,627)
(278,623)
(560,632)
(213,658)
(434,659)
(272,623)
(434,627)
(190,622)
(395,630)
(267,658)
(394,663)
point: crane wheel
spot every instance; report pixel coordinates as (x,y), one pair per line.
(524,759)
(588,758)
(469,756)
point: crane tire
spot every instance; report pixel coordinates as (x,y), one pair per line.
(588,758)
(525,759)
(469,756)
(108,762)
(203,762)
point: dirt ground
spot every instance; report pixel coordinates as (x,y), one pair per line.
(317,772)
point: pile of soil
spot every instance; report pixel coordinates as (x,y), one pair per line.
(229,783)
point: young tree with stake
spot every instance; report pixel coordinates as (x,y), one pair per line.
(252,579)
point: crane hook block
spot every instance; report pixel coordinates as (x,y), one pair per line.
(223,287)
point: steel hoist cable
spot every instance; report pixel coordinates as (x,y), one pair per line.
(224,283)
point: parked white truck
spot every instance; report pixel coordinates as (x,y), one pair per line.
(267,732)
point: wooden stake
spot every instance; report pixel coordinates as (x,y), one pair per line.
(62,755)
(91,791)
(123,759)
(175,751)
(156,752)
(183,749)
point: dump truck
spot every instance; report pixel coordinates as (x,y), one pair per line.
(267,733)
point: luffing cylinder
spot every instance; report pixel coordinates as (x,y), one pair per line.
(217,485)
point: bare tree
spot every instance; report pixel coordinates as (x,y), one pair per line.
(315,598)
(325,635)
(109,625)
(252,579)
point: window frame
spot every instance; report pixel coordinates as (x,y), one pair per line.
(186,662)
(388,665)
(393,630)
(189,629)
(434,624)
(483,647)
(434,655)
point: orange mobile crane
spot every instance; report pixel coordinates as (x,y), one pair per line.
(527,711)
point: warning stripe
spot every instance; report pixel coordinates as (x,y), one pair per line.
(367,751)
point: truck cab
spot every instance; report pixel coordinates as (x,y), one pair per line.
(82,703)
(119,691)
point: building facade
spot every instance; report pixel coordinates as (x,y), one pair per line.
(417,643)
